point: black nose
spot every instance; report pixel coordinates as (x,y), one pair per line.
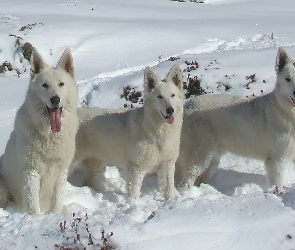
(169,111)
(55,100)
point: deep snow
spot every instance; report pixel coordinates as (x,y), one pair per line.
(112,42)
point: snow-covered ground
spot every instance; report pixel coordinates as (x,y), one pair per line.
(112,42)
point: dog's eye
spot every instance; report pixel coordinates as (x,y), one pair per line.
(172,95)
(61,84)
(45,85)
(294,93)
(159,96)
(288,79)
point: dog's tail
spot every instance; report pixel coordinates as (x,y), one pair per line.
(3,189)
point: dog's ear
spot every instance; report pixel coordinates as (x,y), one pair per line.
(175,76)
(282,59)
(66,62)
(37,63)
(150,79)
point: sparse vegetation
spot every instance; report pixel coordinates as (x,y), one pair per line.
(17,41)
(6,66)
(29,26)
(193,65)
(77,235)
(250,79)
(132,95)
(226,85)
(192,86)
(173,58)
(24,49)
(160,58)
(271,36)
(27,50)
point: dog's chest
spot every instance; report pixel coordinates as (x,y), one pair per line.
(48,151)
(153,150)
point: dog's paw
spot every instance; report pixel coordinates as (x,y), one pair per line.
(275,190)
(182,187)
(132,201)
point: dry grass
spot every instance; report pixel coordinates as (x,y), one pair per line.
(77,236)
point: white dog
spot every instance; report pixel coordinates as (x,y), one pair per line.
(142,140)
(261,128)
(42,145)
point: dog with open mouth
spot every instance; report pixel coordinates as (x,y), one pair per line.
(139,141)
(42,144)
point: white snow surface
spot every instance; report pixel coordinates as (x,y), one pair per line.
(112,41)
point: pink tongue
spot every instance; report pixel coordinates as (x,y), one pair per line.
(169,120)
(55,121)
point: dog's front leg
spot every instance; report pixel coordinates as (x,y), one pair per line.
(274,165)
(195,168)
(31,192)
(210,171)
(59,192)
(134,178)
(190,176)
(95,169)
(166,179)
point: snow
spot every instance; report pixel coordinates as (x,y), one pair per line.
(112,42)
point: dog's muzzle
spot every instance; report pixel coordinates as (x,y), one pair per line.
(169,117)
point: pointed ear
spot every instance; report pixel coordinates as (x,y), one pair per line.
(150,79)
(282,59)
(66,62)
(175,76)
(37,63)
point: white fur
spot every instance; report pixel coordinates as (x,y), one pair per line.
(261,128)
(139,140)
(36,159)
(211,101)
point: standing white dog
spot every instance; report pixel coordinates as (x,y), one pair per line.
(143,140)
(261,128)
(42,145)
